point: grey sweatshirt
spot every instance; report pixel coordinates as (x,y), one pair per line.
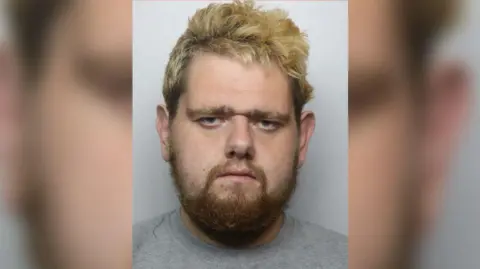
(165,243)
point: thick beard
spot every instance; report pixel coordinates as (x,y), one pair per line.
(235,221)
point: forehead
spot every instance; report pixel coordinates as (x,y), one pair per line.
(214,80)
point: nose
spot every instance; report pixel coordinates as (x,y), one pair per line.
(240,141)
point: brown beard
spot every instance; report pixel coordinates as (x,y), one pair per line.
(237,221)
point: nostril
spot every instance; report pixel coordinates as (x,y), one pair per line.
(240,154)
(231,154)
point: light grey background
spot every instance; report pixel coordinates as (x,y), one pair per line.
(322,194)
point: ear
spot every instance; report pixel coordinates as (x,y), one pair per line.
(447,105)
(9,129)
(307,126)
(163,130)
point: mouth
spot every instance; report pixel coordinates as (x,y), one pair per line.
(238,175)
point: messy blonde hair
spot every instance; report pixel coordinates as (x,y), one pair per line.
(245,32)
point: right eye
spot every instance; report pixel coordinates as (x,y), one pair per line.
(210,121)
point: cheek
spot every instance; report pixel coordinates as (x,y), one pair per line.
(276,157)
(195,156)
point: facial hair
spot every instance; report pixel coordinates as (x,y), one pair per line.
(236,221)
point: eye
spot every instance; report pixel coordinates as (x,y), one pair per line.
(268,125)
(209,121)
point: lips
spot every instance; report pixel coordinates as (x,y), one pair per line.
(238,173)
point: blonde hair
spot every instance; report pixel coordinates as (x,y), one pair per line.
(245,32)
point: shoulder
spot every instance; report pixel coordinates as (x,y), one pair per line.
(322,244)
(319,233)
(147,230)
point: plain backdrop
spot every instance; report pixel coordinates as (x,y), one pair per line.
(322,191)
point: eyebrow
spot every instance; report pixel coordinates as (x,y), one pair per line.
(226,111)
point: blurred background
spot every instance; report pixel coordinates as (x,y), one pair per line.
(69,172)
(12,231)
(456,240)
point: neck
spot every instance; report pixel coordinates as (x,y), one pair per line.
(233,238)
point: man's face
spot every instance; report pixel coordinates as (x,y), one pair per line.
(78,140)
(234,144)
(383,177)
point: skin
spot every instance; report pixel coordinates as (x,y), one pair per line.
(398,154)
(202,140)
(75,182)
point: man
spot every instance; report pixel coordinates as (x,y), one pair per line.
(74,186)
(235,133)
(405,113)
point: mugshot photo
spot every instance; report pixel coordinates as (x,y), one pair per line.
(240,120)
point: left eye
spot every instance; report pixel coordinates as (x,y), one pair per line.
(268,125)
